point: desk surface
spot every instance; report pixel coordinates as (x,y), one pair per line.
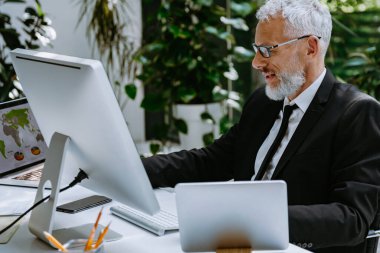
(134,238)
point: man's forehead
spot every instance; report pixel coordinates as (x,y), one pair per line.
(270,31)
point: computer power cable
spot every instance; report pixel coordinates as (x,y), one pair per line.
(80,176)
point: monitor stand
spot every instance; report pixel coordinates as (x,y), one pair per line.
(42,217)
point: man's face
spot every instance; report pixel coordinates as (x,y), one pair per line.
(284,70)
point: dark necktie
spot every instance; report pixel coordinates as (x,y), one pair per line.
(272,150)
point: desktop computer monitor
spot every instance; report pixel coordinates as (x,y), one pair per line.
(72,96)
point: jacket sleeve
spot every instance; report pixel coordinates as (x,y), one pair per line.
(212,163)
(355,178)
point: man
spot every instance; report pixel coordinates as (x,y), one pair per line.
(329,155)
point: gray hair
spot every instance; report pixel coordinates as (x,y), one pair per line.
(302,17)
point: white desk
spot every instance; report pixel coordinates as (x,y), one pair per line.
(135,239)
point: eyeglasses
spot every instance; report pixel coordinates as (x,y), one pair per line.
(265,51)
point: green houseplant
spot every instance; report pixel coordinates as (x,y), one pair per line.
(354,53)
(363,69)
(107,23)
(35,30)
(188,60)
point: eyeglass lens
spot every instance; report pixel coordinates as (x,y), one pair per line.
(263,51)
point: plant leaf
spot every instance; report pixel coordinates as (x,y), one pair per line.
(192,64)
(242,54)
(225,124)
(186,94)
(241,9)
(208,138)
(234,104)
(131,90)
(234,95)
(178,32)
(207,117)
(204,2)
(181,125)
(237,23)
(219,94)
(212,30)
(154,147)
(39,10)
(357,62)
(232,74)
(155,46)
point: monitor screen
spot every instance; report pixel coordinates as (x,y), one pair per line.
(21,142)
(73,96)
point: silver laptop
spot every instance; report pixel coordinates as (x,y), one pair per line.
(22,147)
(233,215)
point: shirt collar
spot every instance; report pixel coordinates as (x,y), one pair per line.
(304,99)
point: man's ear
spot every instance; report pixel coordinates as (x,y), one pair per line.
(312,46)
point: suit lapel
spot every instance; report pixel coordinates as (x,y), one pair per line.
(310,118)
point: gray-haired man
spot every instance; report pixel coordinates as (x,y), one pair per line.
(329,152)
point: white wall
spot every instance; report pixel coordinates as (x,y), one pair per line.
(72,40)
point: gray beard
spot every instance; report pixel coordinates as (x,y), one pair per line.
(289,84)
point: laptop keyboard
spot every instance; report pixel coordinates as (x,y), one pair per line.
(33,175)
(158,223)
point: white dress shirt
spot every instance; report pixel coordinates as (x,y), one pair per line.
(303,101)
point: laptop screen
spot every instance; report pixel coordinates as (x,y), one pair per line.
(21,141)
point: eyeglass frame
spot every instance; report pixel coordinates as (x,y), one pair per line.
(268,49)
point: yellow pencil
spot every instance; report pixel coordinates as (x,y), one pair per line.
(89,241)
(101,236)
(55,242)
(93,230)
(97,219)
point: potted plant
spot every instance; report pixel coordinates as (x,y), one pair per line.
(106,28)
(36,31)
(187,62)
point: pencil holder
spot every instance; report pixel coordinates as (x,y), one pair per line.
(76,246)
(99,249)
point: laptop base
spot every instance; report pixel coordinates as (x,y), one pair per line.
(234,250)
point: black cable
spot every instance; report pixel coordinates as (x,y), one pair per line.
(81,175)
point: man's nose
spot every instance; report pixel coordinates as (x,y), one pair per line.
(259,62)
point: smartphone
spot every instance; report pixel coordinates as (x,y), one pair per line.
(83,204)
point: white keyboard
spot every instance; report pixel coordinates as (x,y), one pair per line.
(158,223)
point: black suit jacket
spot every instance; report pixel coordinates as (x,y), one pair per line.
(331,165)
